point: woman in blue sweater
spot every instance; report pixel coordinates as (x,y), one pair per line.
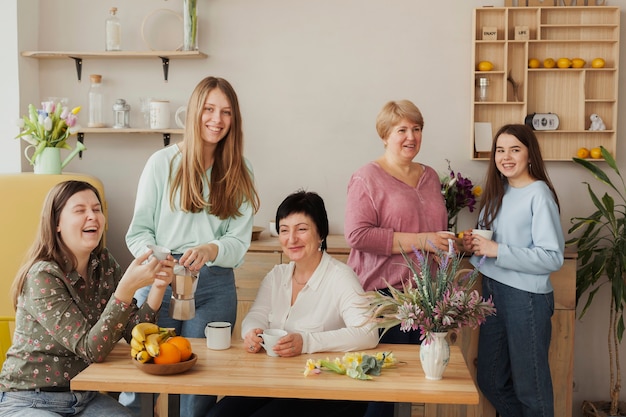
(521,207)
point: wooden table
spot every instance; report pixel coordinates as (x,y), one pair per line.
(237,372)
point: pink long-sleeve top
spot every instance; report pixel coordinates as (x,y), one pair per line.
(379,205)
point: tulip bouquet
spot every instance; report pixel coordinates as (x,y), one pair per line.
(353,364)
(48,127)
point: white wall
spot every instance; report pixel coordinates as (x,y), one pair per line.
(311,77)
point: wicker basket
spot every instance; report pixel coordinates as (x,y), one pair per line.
(601,408)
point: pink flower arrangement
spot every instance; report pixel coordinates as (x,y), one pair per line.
(440,299)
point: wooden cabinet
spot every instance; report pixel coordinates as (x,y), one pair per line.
(265,253)
(573,94)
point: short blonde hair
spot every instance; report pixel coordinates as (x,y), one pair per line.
(393,112)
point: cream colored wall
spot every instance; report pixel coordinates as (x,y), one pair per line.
(311,77)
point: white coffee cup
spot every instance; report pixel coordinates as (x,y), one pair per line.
(159,114)
(487,234)
(272,228)
(217,335)
(180,116)
(159,252)
(270,338)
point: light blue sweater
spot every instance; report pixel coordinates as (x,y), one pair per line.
(530,239)
(155,222)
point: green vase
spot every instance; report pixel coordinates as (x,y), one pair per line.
(48,161)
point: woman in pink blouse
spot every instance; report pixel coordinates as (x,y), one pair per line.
(393,204)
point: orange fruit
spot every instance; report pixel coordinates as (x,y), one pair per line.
(183,345)
(598,63)
(596,153)
(582,153)
(168,353)
(578,63)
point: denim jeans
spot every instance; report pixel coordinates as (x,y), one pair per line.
(513,369)
(45,404)
(216,300)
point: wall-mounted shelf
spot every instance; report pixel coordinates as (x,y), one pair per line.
(573,94)
(78,57)
(110,130)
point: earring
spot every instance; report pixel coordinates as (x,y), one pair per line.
(319,248)
(530,166)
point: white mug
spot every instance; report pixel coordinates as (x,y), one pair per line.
(159,114)
(180,116)
(159,252)
(217,335)
(487,234)
(270,338)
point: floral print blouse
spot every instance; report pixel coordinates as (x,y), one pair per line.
(64,322)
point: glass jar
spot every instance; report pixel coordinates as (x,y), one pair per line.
(482,87)
(96,100)
(113,31)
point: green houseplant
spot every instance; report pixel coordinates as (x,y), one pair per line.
(602,261)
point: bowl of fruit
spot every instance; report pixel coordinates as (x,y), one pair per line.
(158,351)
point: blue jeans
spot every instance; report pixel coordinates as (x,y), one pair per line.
(513,369)
(47,404)
(216,300)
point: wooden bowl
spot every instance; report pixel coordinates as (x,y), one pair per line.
(256,232)
(167,369)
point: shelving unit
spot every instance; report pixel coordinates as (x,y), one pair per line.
(167,133)
(573,94)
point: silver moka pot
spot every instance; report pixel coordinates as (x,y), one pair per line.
(182,303)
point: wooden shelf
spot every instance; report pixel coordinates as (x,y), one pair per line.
(573,94)
(78,57)
(110,130)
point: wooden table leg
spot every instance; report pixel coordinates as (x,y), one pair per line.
(402,410)
(147,404)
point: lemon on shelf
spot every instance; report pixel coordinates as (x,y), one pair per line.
(485,66)
(582,153)
(578,63)
(533,63)
(598,63)
(563,62)
(596,153)
(549,63)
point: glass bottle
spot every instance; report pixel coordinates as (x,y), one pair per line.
(482,84)
(96,99)
(113,29)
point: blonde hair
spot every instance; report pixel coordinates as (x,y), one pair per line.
(395,111)
(231,182)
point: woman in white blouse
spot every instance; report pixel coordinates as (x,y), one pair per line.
(315,298)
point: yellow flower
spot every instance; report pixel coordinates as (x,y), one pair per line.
(76,109)
(477,191)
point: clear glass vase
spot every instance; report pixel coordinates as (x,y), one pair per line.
(190,25)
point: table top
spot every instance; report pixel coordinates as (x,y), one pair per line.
(237,372)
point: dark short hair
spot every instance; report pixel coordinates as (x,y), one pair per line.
(308,203)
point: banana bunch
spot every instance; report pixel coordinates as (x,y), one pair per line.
(146,338)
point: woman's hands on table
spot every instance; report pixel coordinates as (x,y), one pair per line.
(289,345)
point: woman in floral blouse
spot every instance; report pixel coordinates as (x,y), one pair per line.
(73,304)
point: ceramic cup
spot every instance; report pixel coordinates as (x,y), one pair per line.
(159,252)
(159,114)
(217,335)
(272,229)
(270,338)
(180,116)
(487,234)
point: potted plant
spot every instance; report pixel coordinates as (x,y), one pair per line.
(602,260)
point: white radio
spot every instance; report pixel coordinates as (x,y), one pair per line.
(542,121)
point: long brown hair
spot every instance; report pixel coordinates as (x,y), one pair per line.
(491,200)
(231,182)
(48,245)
